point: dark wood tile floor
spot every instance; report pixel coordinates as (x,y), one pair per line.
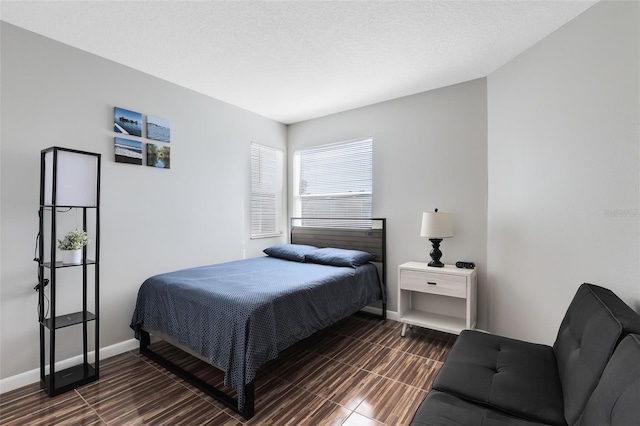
(357,372)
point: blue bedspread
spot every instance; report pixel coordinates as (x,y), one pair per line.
(241,314)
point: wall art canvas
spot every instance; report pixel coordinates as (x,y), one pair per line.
(127,122)
(128,151)
(158,156)
(158,129)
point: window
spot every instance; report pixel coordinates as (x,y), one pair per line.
(266,191)
(334,181)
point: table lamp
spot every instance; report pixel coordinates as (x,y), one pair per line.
(436,226)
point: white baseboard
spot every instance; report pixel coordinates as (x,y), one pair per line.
(33,376)
(392,315)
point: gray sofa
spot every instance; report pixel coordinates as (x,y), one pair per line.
(589,377)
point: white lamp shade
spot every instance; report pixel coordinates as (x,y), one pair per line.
(76,179)
(436,225)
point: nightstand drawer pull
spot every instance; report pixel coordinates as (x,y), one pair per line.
(429,282)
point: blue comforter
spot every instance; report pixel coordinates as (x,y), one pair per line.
(242,314)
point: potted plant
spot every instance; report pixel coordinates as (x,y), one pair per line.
(71,246)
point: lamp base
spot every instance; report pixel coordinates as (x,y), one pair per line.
(435,253)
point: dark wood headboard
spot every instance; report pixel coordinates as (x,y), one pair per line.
(368,235)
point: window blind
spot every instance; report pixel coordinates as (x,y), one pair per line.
(335,181)
(266,191)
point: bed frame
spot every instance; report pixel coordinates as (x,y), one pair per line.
(365,234)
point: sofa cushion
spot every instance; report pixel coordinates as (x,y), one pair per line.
(616,399)
(443,409)
(594,324)
(512,376)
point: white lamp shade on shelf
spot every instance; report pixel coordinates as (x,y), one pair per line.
(76,177)
(436,225)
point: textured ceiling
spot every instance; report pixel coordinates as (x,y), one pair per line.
(296,60)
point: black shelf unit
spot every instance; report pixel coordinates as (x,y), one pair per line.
(56,170)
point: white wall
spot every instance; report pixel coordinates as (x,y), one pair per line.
(563,163)
(429,152)
(153,220)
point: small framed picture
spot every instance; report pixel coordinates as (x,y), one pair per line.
(127,122)
(158,156)
(128,151)
(158,129)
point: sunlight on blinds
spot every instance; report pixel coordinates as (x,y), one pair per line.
(335,181)
(266,191)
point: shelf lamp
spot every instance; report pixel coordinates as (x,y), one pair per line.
(436,226)
(70,177)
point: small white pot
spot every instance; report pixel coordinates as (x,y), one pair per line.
(72,257)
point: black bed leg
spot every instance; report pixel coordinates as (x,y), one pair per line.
(249,400)
(384,311)
(145,340)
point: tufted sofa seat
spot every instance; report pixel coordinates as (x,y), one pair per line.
(495,380)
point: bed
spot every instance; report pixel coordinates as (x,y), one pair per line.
(239,315)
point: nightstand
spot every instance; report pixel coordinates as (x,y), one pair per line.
(441,299)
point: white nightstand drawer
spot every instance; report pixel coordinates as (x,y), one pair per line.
(429,282)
